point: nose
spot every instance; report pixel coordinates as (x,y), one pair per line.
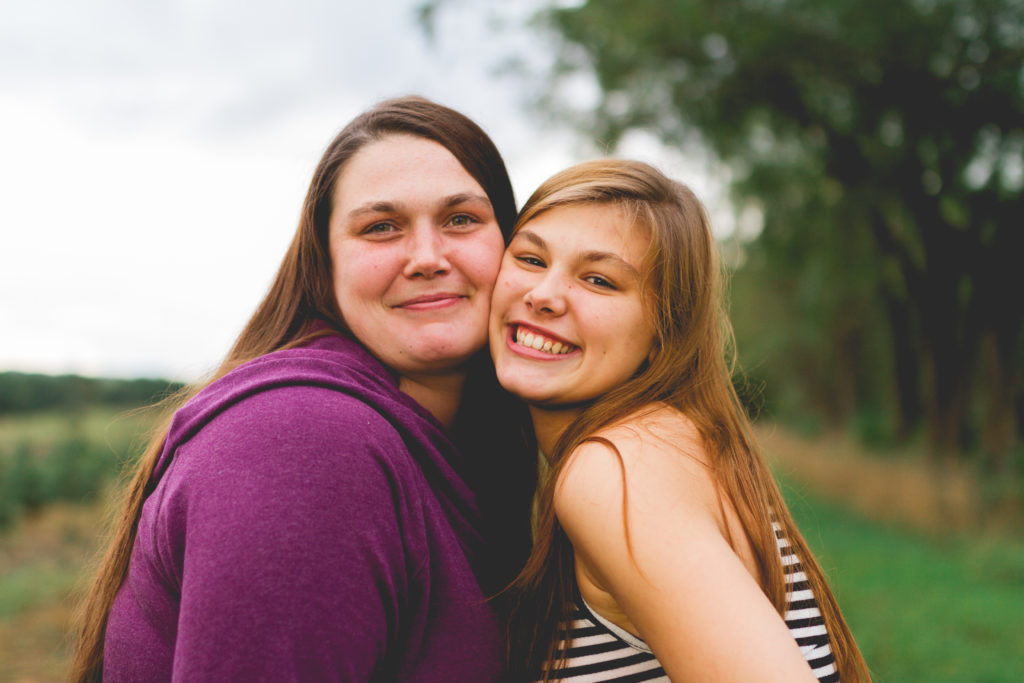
(547,297)
(428,253)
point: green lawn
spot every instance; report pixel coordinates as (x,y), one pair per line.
(922,609)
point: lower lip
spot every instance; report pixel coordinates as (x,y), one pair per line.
(530,352)
(432,305)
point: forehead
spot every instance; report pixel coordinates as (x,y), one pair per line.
(591,227)
(400,168)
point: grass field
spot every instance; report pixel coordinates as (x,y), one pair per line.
(119,428)
(922,607)
(43,548)
(924,604)
(41,567)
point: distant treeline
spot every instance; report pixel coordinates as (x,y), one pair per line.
(25,392)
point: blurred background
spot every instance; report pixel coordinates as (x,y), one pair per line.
(862,162)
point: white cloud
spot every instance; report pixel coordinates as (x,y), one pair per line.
(155,156)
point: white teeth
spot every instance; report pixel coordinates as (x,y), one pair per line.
(538,342)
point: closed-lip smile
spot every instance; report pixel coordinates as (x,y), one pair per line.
(430,301)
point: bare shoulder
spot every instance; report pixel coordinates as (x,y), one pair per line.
(657,429)
(652,463)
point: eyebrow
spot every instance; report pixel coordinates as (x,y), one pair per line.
(392,207)
(593,256)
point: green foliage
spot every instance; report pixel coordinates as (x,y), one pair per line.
(24,393)
(807,334)
(25,486)
(58,457)
(9,506)
(72,469)
(883,140)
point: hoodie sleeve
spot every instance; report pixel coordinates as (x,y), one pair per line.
(289,524)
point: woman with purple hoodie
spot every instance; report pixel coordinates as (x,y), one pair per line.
(341,499)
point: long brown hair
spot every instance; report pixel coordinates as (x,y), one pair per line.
(690,369)
(300,298)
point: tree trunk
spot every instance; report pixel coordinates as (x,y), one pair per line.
(906,357)
(949,344)
(999,434)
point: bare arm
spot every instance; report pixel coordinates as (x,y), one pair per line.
(678,582)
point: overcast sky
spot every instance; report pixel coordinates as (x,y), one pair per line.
(153,157)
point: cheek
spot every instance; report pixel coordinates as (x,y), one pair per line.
(612,322)
(511,283)
(641,343)
(481,258)
(359,275)
(507,297)
(501,295)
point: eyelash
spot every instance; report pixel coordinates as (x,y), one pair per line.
(391,227)
(603,283)
(470,220)
(530,261)
(596,280)
(372,228)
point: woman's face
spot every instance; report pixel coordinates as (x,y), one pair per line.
(415,249)
(567,320)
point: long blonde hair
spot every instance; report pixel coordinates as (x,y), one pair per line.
(301,298)
(690,369)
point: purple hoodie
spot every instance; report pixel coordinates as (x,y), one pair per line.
(305,523)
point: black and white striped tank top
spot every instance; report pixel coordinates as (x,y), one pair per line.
(598,650)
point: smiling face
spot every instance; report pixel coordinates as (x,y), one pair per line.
(567,320)
(415,249)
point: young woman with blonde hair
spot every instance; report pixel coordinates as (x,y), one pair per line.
(664,549)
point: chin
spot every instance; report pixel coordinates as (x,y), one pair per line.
(532,395)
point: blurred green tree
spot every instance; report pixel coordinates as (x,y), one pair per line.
(25,393)
(884,143)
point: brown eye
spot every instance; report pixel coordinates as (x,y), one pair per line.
(599,281)
(461,220)
(530,261)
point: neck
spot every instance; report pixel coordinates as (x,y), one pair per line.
(439,394)
(550,423)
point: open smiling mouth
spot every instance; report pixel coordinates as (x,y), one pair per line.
(539,342)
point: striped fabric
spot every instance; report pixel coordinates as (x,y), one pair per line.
(802,615)
(601,651)
(598,650)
